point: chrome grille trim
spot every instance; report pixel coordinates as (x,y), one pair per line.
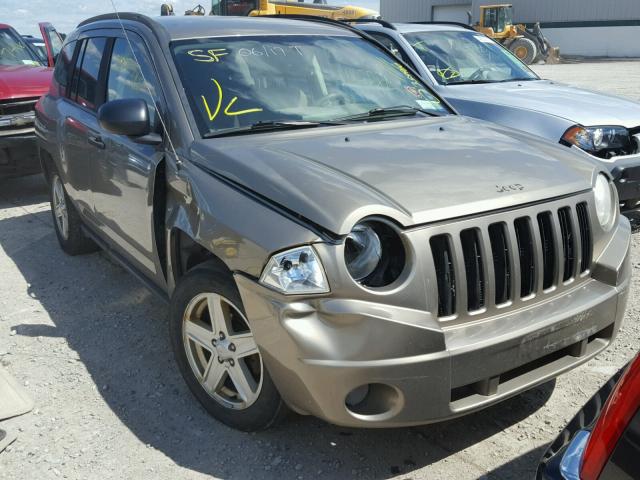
(17,116)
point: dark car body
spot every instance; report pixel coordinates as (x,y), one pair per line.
(602,442)
(20,87)
(409,346)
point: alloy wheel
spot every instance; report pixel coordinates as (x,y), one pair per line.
(221,351)
(60,207)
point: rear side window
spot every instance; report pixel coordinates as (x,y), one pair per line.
(127,79)
(86,89)
(62,72)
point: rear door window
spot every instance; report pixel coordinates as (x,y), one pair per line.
(86,87)
(62,72)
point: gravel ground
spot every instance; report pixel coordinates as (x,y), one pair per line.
(613,77)
(91,346)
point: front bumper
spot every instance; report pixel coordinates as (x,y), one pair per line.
(626,176)
(321,351)
(18,155)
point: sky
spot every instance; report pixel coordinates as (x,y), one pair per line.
(24,15)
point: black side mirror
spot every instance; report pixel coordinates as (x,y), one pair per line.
(128,117)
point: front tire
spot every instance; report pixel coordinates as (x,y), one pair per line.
(66,220)
(217,354)
(524,49)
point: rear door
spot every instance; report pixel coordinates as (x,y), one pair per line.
(123,180)
(52,42)
(80,142)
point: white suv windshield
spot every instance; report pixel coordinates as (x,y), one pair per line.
(237,82)
(467,57)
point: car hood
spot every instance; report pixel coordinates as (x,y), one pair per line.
(580,106)
(20,81)
(414,171)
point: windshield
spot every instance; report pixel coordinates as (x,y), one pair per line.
(14,50)
(237,82)
(39,47)
(467,57)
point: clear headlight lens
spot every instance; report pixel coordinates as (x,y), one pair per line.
(296,271)
(604,201)
(362,251)
(595,139)
(374,253)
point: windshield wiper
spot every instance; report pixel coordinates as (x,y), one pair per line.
(478,81)
(472,82)
(381,113)
(524,79)
(268,126)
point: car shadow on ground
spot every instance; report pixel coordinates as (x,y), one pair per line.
(119,332)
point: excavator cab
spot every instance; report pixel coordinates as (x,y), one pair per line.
(496,21)
(497,17)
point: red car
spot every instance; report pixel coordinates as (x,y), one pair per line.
(23,79)
(602,442)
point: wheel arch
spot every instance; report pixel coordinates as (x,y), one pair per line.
(186,254)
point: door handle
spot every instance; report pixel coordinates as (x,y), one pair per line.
(96,141)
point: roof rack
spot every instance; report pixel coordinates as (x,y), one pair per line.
(316,19)
(136,17)
(382,22)
(457,24)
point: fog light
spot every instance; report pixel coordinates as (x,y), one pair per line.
(374,401)
(357,395)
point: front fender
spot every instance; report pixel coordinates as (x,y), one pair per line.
(545,125)
(238,229)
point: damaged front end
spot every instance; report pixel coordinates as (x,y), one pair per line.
(483,308)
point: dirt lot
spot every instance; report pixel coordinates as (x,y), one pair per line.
(91,346)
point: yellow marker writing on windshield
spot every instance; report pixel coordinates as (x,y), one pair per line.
(239,112)
(212,56)
(213,115)
(227,110)
(448,73)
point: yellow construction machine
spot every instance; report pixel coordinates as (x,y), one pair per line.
(318,8)
(529,45)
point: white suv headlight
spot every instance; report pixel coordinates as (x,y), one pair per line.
(605,201)
(296,271)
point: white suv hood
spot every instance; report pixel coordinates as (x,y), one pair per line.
(579,106)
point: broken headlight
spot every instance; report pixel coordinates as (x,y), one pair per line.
(374,253)
(296,271)
(604,140)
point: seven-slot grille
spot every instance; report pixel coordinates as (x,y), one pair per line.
(511,260)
